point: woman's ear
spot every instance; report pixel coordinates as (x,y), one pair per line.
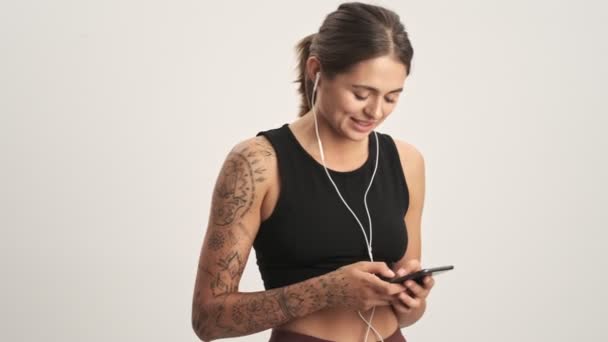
(313,67)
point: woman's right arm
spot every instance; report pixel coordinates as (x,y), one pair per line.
(218,309)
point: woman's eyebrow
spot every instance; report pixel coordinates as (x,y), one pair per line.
(374,89)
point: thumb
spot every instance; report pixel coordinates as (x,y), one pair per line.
(379,268)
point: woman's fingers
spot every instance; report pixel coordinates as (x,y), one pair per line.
(384,287)
(408,301)
(420,291)
(399,306)
(376,267)
(402,296)
(414,295)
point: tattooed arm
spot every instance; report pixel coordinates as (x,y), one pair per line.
(238,314)
(233,224)
(218,309)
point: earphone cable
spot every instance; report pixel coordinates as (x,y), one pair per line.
(368,242)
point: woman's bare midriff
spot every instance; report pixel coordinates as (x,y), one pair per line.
(337,324)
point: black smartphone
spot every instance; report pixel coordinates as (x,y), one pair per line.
(418,276)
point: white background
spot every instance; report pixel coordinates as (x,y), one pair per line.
(117,115)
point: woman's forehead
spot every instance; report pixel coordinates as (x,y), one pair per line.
(384,73)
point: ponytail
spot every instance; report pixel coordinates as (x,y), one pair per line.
(305,88)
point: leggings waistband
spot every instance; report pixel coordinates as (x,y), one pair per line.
(291,336)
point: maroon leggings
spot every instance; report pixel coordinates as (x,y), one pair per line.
(290,336)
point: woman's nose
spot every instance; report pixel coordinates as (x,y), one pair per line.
(374,110)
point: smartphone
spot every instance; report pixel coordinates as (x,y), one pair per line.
(419,275)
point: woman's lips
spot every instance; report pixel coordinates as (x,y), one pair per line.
(362,126)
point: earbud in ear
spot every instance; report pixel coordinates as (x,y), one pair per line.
(317,77)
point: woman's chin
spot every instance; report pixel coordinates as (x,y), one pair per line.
(358,131)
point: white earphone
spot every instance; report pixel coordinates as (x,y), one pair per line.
(367,242)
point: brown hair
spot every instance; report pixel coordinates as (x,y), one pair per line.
(351,34)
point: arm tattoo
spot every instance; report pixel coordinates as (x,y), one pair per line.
(228,275)
(257,311)
(235,190)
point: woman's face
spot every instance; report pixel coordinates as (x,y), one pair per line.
(356,102)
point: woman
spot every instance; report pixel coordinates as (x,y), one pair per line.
(329,204)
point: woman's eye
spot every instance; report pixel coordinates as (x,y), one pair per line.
(360,97)
(391,101)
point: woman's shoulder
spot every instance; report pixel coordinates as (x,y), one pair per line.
(408,152)
(257,146)
(410,157)
(256,159)
(258,166)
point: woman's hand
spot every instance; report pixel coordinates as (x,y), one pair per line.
(357,285)
(415,295)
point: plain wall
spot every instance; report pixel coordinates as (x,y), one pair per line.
(115,117)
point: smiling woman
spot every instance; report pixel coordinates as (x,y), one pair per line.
(360,98)
(303,195)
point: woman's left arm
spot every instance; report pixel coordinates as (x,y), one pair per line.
(410,305)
